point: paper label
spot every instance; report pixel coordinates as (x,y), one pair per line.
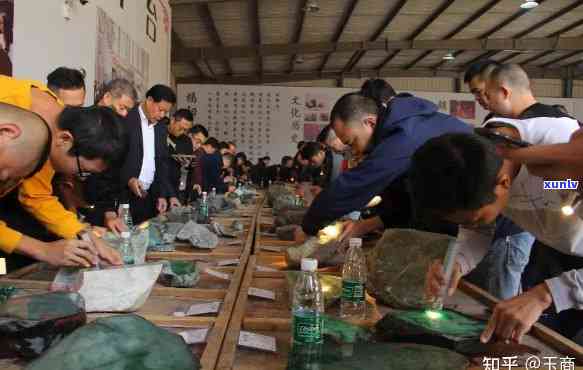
(194,336)
(234,261)
(308,327)
(272,248)
(218,274)
(265,269)
(199,309)
(2,266)
(257,341)
(352,291)
(262,293)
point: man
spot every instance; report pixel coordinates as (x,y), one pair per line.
(179,144)
(224,148)
(286,172)
(320,159)
(68,85)
(388,145)
(501,269)
(198,136)
(487,186)
(212,164)
(232,148)
(476,77)
(144,173)
(337,153)
(101,191)
(75,149)
(119,95)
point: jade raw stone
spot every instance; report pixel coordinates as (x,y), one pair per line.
(375,356)
(126,342)
(179,274)
(331,286)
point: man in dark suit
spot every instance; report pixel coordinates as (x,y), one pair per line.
(145,173)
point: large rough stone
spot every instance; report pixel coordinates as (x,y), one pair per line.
(327,254)
(398,264)
(125,342)
(31,324)
(111,289)
(285,202)
(286,233)
(198,235)
(276,190)
(375,356)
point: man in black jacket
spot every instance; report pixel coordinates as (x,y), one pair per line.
(179,144)
(145,173)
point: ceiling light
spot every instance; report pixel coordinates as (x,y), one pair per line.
(448,56)
(529,4)
(312,6)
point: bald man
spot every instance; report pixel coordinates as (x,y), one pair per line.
(34,194)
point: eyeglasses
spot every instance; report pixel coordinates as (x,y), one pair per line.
(80,173)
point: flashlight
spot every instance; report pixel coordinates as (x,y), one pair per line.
(569,209)
(448,265)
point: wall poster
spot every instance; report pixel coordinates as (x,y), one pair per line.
(6,36)
(119,56)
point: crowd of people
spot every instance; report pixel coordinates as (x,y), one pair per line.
(65,168)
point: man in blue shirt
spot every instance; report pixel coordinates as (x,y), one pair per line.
(387,140)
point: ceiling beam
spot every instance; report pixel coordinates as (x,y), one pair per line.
(557,33)
(442,8)
(341,25)
(334,75)
(300,20)
(471,19)
(561,58)
(211,29)
(523,44)
(256,30)
(357,56)
(492,31)
(177,44)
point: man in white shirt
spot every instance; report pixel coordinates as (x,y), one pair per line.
(467,182)
(145,171)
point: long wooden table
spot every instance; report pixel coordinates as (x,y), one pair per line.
(164,301)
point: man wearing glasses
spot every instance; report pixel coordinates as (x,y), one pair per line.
(83,140)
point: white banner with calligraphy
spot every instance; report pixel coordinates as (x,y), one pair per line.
(261,120)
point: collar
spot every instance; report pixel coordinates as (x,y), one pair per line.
(143,116)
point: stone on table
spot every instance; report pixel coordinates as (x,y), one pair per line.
(6,291)
(375,356)
(398,264)
(286,233)
(344,332)
(179,274)
(198,235)
(126,342)
(29,325)
(237,226)
(327,254)
(276,190)
(290,217)
(110,289)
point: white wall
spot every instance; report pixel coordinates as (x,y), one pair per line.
(45,40)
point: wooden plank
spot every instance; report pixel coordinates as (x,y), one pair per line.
(217,336)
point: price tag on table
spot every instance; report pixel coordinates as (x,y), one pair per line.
(234,261)
(199,309)
(218,274)
(257,341)
(271,248)
(194,336)
(261,293)
(2,266)
(234,242)
(265,269)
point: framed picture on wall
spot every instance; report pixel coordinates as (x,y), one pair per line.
(6,36)
(464,109)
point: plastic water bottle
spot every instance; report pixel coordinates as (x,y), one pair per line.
(213,194)
(203,210)
(353,304)
(126,216)
(126,249)
(308,306)
(183,178)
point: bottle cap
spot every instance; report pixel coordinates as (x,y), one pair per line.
(309,264)
(355,242)
(204,193)
(125,205)
(125,234)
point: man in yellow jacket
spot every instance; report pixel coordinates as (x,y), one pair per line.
(83,140)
